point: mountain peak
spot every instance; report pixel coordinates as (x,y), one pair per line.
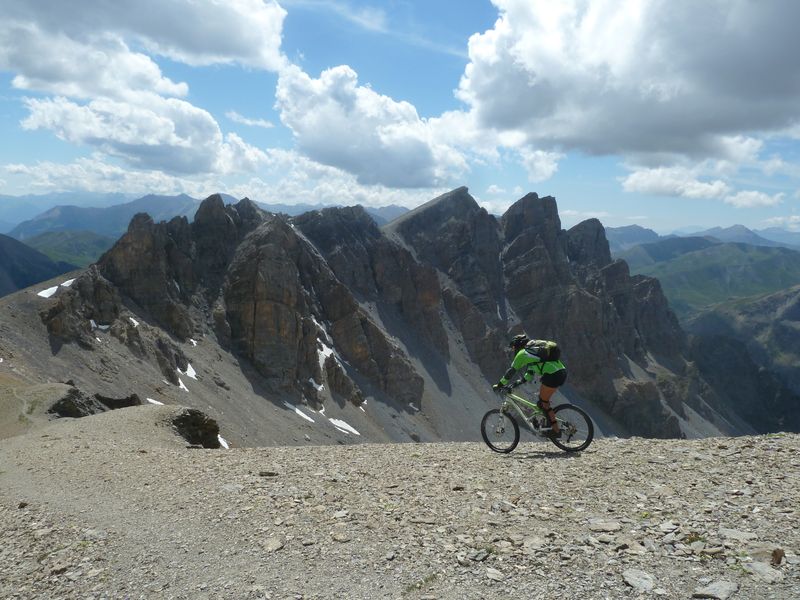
(532,212)
(455,203)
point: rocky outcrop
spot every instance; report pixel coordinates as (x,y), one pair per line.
(460,239)
(197,428)
(378,269)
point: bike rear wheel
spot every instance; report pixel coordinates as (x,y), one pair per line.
(577,429)
(500,431)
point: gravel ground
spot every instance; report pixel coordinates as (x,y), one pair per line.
(116,506)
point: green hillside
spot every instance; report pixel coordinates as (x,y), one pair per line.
(80,248)
(697,279)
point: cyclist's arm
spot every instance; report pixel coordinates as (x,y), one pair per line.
(521,360)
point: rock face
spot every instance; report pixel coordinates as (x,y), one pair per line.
(526,273)
(327,306)
(751,350)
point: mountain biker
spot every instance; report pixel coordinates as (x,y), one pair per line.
(553,374)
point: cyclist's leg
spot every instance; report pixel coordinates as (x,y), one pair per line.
(551,382)
(545,393)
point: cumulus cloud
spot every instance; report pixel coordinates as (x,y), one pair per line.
(540,165)
(237,118)
(286,177)
(246,32)
(340,123)
(165,134)
(292,178)
(116,100)
(674,181)
(688,79)
(95,175)
(54,63)
(751,198)
(791,222)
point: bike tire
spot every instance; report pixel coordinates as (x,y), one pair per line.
(494,426)
(577,429)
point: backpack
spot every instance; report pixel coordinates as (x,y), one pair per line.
(546,350)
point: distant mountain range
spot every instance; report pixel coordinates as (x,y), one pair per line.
(624,238)
(16,209)
(21,266)
(697,272)
(112,221)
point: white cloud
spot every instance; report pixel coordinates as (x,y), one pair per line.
(540,165)
(237,118)
(292,178)
(637,77)
(116,100)
(495,189)
(95,175)
(749,199)
(791,222)
(337,122)
(246,32)
(674,181)
(166,134)
(285,177)
(53,63)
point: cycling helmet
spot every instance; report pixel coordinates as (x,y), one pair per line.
(518,342)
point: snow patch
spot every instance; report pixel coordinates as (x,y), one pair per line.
(68,282)
(180,385)
(98,339)
(189,372)
(318,386)
(342,426)
(323,354)
(103,327)
(193,342)
(1,360)
(151,401)
(414,408)
(134,321)
(223,443)
(362,409)
(48,292)
(93,324)
(298,411)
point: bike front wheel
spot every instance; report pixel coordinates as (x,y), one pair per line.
(577,429)
(500,431)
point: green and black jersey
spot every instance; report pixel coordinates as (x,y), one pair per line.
(533,366)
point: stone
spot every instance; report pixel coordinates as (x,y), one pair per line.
(494,574)
(273,544)
(718,590)
(604,525)
(763,572)
(735,534)
(639,580)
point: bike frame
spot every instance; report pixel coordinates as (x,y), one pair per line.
(511,399)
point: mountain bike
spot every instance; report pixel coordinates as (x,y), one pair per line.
(500,429)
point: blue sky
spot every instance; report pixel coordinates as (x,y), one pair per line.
(635,111)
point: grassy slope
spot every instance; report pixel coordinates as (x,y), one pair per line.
(723,272)
(80,248)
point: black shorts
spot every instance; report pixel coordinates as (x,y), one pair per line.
(556,379)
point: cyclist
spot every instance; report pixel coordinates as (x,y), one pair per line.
(553,374)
